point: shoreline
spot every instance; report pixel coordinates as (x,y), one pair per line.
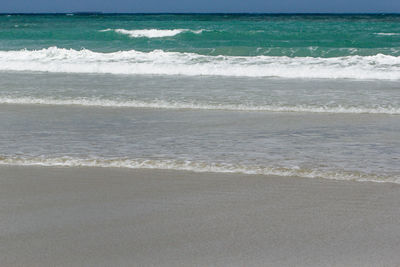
(74,216)
(193,168)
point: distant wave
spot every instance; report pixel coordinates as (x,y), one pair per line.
(158,62)
(160,104)
(387,33)
(151,33)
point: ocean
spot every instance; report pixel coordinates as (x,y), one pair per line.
(313,96)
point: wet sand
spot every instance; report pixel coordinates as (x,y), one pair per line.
(123,217)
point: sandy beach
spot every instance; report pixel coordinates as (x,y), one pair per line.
(238,135)
(122,217)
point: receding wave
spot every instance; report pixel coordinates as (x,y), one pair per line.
(162,104)
(158,62)
(151,33)
(193,166)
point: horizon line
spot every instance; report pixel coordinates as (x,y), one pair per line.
(197,13)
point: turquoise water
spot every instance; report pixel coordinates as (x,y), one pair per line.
(289,95)
(313,46)
(231,35)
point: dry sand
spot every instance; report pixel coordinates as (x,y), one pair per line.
(122,217)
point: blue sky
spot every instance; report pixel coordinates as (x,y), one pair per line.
(334,6)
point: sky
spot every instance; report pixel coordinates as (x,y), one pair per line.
(212,6)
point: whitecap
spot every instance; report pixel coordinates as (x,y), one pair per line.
(151,33)
(387,33)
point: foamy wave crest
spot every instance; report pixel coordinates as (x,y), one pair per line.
(158,62)
(161,104)
(151,33)
(187,165)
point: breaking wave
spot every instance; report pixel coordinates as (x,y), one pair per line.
(158,62)
(186,165)
(162,104)
(151,33)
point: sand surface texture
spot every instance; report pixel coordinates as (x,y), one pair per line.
(122,217)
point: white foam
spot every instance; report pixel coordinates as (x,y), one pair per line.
(158,62)
(151,33)
(187,165)
(161,104)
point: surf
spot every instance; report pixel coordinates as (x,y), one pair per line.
(159,62)
(194,166)
(162,104)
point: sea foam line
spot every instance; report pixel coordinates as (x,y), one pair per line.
(158,62)
(161,104)
(151,33)
(201,167)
